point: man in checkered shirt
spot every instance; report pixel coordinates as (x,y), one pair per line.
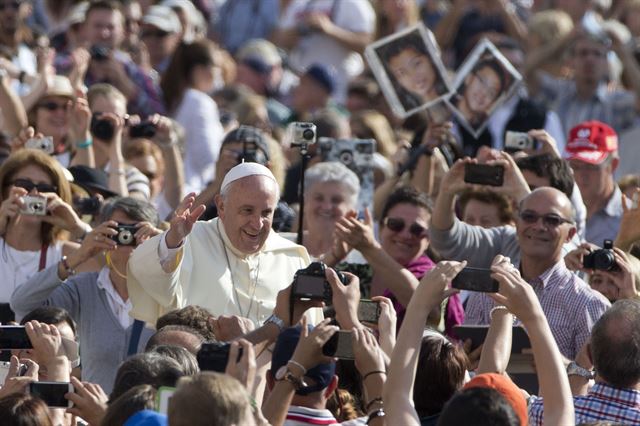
(615,352)
(544,223)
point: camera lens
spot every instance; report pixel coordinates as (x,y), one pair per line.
(308,134)
(125,237)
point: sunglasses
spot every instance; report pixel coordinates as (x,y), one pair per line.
(54,106)
(154,34)
(550,220)
(15,5)
(397,224)
(29,185)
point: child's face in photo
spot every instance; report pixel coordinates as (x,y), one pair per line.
(414,72)
(482,89)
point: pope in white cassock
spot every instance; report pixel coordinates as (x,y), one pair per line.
(232,265)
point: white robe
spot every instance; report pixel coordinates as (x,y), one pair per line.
(202,276)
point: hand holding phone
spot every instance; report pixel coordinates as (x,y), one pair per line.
(52,393)
(484,174)
(369,311)
(340,345)
(475,279)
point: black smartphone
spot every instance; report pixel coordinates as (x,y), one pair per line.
(213,356)
(340,345)
(14,337)
(475,279)
(52,393)
(368,311)
(484,174)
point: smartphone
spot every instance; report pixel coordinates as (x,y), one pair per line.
(4,370)
(475,279)
(14,337)
(162,399)
(52,393)
(484,174)
(213,356)
(368,311)
(340,345)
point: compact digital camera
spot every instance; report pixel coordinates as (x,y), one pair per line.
(126,235)
(602,259)
(310,283)
(34,205)
(518,141)
(303,133)
(44,144)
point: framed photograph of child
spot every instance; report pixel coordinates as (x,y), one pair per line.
(409,70)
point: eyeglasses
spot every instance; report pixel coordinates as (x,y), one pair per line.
(15,5)
(29,185)
(154,34)
(550,220)
(397,224)
(54,106)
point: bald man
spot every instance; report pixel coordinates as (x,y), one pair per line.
(544,224)
(232,265)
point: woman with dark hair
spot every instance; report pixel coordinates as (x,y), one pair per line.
(186,85)
(478,93)
(414,76)
(19,409)
(98,301)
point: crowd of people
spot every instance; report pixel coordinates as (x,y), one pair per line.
(165,266)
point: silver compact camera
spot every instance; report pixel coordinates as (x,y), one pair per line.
(125,235)
(44,144)
(34,205)
(303,133)
(518,141)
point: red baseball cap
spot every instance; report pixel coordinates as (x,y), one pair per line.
(591,142)
(506,387)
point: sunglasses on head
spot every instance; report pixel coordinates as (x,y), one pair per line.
(54,106)
(551,220)
(397,224)
(29,185)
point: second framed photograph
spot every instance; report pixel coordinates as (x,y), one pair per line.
(408,68)
(484,81)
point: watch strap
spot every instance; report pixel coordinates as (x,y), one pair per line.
(273,319)
(573,369)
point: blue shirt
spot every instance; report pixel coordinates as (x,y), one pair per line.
(604,224)
(242,20)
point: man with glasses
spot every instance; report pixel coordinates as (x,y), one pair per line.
(544,224)
(592,152)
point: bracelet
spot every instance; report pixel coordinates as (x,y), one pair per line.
(67,267)
(86,144)
(373,401)
(497,308)
(374,415)
(297,364)
(373,372)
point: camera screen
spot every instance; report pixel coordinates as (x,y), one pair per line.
(51,393)
(310,286)
(368,311)
(344,349)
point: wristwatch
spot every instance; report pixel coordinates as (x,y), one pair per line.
(284,373)
(273,319)
(573,369)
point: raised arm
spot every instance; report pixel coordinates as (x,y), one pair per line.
(398,390)
(13,112)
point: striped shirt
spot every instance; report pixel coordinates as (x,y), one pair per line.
(300,416)
(602,403)
(569,304)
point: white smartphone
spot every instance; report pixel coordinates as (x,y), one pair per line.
(162,399)
(52,393)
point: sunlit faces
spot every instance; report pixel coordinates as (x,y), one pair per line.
(414,71)
(326,202)
(105,27)
(52,116)
(404,246)
(483,88)
(539,239)
(36,175)
(481,214)
(604,285)
(247,212)
(592,179)
(121,254)
(589,60)
(115,105)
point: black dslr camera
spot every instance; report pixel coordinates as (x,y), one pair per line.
(602,259)
(310,283)
(213,356)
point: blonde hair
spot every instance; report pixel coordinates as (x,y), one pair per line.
(550,25)
(104,90)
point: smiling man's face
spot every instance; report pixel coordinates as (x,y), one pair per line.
(247,212)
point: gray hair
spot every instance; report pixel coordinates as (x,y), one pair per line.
(615,344)
(134,208)
(333,171)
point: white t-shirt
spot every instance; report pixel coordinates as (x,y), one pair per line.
(352,15)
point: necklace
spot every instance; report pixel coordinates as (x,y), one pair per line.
(254,281)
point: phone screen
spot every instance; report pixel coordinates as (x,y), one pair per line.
(309,286)
(368,311)
(340,345)
(14,337)
(475,279)
(484,174)
(52,393)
